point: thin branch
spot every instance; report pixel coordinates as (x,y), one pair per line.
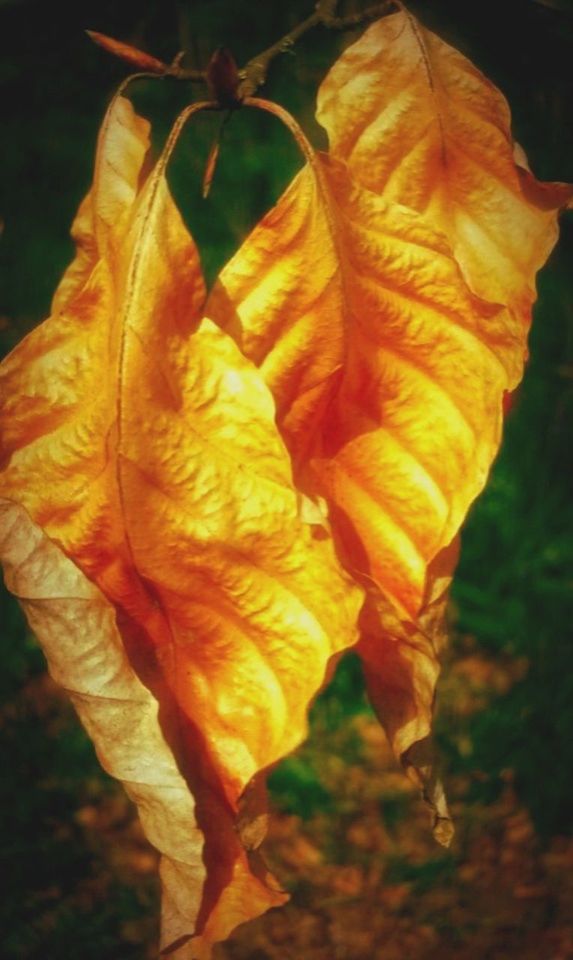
(559,6)
(254,73)
(144,61)
(356,19)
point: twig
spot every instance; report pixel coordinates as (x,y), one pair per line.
(559,6)
(355,19)
(254,73)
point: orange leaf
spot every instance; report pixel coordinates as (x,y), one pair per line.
(387,371)
(419,124)
(389,375)
(385,302)
(143,444)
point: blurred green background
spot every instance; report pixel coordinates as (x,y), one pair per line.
(79,877)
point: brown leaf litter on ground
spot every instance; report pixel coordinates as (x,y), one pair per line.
(367,880)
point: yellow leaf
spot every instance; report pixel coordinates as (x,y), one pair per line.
(420,125)
(143,444)
(388,373)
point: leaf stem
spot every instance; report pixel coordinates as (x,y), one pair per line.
(285,117)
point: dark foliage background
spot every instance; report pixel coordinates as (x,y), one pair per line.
(350,839)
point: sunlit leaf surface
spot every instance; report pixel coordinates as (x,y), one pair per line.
(386,300)
(143,443)
(205,500)
(419,124)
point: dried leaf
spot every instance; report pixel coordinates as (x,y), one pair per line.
(419,124)
(401,662)
(389,375)
(387,371)
(385,302)
(143,444)
(77,629)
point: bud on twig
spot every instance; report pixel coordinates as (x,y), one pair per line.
(137,58)
(223,78)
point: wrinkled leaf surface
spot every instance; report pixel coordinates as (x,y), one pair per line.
(390,331)
(143,444)
(419,124)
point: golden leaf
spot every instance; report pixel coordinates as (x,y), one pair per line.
(389,374)
(419,124)
(380,310)
(143,444)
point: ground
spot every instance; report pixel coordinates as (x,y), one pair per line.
(350,839)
